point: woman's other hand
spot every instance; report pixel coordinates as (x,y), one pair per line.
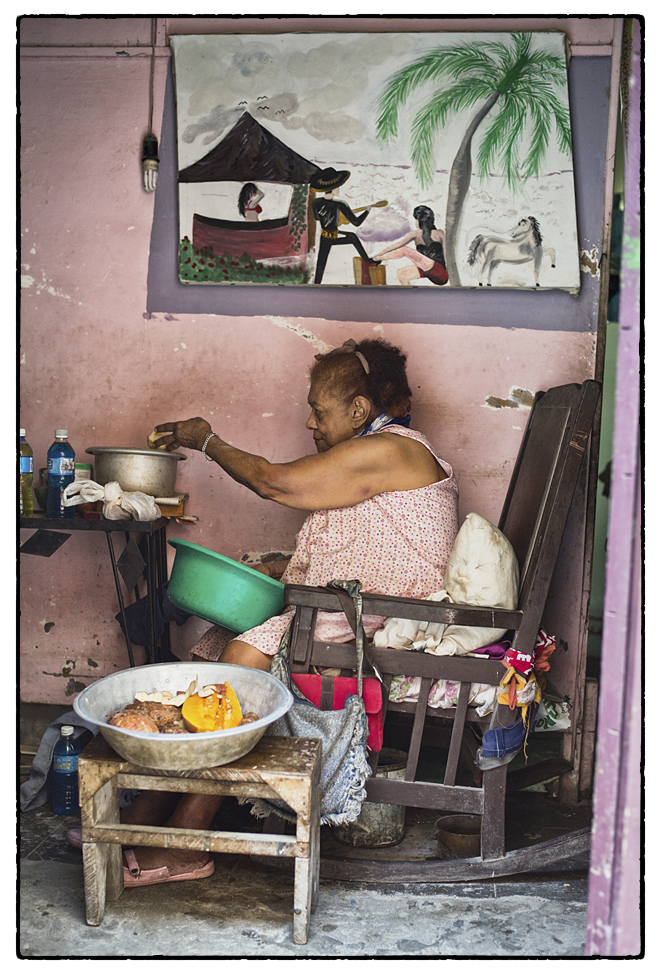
(274,569)
(262,568)
(183,434)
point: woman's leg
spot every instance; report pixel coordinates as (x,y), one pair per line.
(408,274)
(150,808)
(421,261)
(193,811)
(243,654)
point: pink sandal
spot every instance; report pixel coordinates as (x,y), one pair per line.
(135,876)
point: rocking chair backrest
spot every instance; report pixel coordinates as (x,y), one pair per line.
(541,489)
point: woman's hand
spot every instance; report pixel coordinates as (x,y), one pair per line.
(183,434)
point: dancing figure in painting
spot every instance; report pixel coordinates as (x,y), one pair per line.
(328,211)
(427,258)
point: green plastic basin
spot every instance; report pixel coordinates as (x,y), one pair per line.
(221,590)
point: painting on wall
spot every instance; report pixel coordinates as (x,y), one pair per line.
(410,159)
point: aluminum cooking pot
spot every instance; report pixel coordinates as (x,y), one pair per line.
(137,469)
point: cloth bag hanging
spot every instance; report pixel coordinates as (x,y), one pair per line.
(330,692)
(343,733)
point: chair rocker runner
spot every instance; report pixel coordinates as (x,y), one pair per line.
(533,519)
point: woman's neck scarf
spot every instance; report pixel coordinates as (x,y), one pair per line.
(384,421)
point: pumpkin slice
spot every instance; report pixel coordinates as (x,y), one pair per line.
(229,708)
(218,710)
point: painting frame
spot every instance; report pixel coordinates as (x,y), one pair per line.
(503,184)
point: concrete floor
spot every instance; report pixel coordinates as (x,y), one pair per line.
(245,910)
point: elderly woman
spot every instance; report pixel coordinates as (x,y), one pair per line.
(382,508)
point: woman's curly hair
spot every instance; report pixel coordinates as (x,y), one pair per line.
(386,384)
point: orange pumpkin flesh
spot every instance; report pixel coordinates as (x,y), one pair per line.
(218,711)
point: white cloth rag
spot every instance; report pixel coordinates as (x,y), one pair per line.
(117,504)
(426,636)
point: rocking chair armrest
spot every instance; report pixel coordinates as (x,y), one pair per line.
(395,662)
(412,608)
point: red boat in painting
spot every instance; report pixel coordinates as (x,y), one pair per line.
(259,239)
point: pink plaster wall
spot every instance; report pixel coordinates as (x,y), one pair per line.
(92,362)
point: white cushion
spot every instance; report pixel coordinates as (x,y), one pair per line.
(482,570)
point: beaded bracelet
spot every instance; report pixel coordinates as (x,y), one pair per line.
(204,454)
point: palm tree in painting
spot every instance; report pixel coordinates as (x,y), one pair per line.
(513,77)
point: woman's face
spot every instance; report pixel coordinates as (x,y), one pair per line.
(330,420)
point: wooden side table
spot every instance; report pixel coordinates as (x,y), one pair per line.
(131,566)
(287,768)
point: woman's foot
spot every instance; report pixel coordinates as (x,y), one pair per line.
(75,838)
(144,865)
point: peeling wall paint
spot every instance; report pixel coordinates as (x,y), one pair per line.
(46,285)
(517,397)
(589,261)
(317,343)
(264,557)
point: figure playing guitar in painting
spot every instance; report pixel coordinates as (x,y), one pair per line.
(331,213)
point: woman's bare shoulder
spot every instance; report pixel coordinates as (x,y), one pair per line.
(415,460)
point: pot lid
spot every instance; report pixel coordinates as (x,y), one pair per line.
(135,451)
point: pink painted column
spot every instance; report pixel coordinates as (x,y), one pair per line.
(613,918)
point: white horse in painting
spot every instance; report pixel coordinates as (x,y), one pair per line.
(522,244)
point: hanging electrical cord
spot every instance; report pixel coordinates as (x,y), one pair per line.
(150,152)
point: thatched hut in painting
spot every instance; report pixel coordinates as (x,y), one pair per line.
(249,153)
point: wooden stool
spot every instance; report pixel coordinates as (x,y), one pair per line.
(286,768)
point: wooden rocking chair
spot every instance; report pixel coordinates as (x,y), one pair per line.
(533,519)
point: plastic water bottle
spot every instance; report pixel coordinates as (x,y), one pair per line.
(61,472)
(65,773)
(25,503)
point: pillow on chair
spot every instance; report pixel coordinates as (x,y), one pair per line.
(482,570)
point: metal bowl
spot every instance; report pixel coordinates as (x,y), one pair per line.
(136,469)
(258,692)
(458,836)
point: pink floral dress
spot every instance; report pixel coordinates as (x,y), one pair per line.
(395,543)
